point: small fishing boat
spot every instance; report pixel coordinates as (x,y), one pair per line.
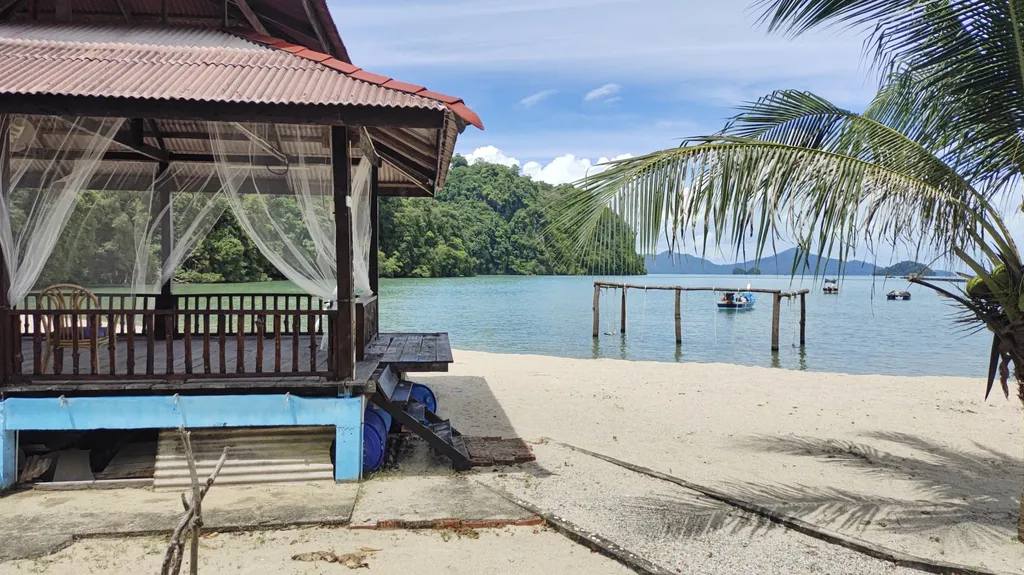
(898,294)
(830,286)
(737,301)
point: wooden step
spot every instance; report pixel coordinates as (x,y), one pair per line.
(402,392)
(415,410)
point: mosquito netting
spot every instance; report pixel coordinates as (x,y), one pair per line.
(82,207)
(278,182)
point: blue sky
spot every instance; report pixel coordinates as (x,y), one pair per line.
(563,84)
(656,70)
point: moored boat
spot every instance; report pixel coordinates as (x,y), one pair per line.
(830,286)
(898,294)
(737,301)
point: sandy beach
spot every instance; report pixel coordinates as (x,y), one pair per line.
(920,464)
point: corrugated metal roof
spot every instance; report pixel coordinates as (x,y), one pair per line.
(224,73)
(255,455)
(116,34)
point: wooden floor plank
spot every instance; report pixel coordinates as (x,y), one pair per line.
(412,349)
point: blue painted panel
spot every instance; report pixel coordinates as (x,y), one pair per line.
(163,412)
(81,413)
(348,453)
(9,455)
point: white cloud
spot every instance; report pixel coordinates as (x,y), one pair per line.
(491,155)
(562,170)
(534,99)
(603,93)
(567,169)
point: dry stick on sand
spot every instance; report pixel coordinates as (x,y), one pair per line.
(193,518)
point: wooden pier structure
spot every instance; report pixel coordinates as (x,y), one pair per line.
(777,295)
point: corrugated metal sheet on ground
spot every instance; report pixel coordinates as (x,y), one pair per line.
(255,455)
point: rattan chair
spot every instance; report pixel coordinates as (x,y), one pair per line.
(60,327)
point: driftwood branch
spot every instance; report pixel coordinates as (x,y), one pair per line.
(192,520)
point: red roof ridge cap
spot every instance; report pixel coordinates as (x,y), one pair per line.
(456,105)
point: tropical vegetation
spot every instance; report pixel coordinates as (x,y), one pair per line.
(923,167)
(488,219)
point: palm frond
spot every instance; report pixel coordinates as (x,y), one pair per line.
(966,58)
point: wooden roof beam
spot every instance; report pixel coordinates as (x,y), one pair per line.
(321,36)
(10,7)
(250,16)
(126,11)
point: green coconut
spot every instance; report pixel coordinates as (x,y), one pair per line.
(976,287)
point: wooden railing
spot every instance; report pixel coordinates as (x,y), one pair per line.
(208,336)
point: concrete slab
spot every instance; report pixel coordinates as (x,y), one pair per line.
(422,501)
(34,523)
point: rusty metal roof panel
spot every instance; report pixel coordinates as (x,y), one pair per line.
(161,67)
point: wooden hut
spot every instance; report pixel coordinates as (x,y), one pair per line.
(234,94)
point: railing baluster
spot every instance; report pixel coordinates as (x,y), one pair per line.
(37,344)
(94,348)
(206,340)
(56,332)
(188,344)
(295,341)
(277,339)
(112,340)
(312,341)
(169,325)
(150,341)
(74,343)
(240,339)
(222,340)
(130,360)
(260,322)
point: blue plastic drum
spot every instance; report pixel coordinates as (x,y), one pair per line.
(424,395)
(375,436)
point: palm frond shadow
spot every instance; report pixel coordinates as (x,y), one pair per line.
(670,518)
(956,487)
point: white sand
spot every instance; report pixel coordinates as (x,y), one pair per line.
(520,550)
(922,465)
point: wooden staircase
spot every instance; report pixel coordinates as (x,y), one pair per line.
(393,396)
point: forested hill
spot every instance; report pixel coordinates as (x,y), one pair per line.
(488,219)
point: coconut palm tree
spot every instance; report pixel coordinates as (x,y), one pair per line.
(926,164)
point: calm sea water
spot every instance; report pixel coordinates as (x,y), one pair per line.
(857,331)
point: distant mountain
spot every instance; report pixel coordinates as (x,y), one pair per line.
(770,264)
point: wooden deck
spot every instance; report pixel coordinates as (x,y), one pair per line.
(412,352)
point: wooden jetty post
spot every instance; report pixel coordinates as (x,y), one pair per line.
(776,309)
(777,296)
(679,325)
(622,313)
(803,319)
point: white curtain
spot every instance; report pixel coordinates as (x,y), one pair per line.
(283,199)
(196,203)
(361,227)
(52,161)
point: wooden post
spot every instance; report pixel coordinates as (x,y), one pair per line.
(374,231)
(345,350)
(8,339)
(803,319)
(776,308)
(622,312)
(163,209)
(679,325)
(597,310)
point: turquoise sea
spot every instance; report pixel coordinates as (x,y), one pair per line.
(856,331)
